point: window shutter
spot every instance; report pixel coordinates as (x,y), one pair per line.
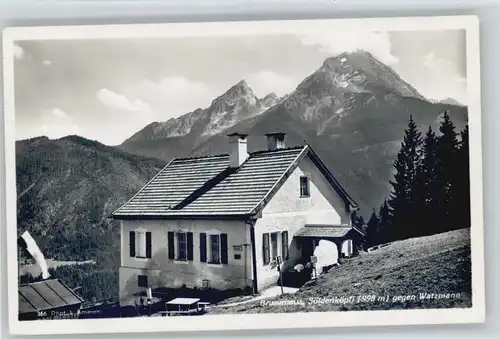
(190,246)
(265,248)
(132,243)
(171,251)
(203,247)
(284,247)
(223,247)
(148,244)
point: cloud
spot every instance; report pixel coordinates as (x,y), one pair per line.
(56,124)
(18,52)
(120,102)
(265,82)
(56,112)
(143,101)
(446,81)
(58,130)
(350,40)
(173,96)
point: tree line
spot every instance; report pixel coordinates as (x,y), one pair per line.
(430,191)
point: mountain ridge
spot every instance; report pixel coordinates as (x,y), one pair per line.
(237,103)
(355,129)
(353,113)
(356,132)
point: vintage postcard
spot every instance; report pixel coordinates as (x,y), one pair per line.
(244,175)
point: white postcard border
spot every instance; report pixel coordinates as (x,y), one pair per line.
(475,314)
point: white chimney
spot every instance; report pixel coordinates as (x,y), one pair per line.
(239,154)
(275,141)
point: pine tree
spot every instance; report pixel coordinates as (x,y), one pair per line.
(426,186)
(372,231)
(357,220)
(447,179)
(384,217)
(463,182)
(402,199)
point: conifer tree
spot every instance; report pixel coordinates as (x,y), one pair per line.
(372,230)
(384,217)
(401,201)
(463,181)
(447,179)
(426,186)
(357,220)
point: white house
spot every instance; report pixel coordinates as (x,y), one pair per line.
(221,221)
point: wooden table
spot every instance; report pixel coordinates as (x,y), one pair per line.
(184,306)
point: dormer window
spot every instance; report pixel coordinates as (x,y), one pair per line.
(304,187)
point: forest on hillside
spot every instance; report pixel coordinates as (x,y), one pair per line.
(430,194)
(431,187)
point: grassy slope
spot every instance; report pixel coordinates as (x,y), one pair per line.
(434,264)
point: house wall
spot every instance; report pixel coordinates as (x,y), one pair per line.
(165,272)
(287,211)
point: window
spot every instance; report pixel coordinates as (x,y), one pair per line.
(265,248)
(274,245)
(214,249)
(284,245)
(140,244)
(181,246)
(142,280)
(304,187)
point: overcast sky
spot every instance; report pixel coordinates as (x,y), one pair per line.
(108,89)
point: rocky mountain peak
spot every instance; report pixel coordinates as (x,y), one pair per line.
(451,101)
(269,100)
(357,72)
(240,90)
(357,59)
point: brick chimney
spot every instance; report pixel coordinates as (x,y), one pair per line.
(275,141)
(239,154)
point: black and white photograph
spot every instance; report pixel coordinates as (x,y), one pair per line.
(265,174)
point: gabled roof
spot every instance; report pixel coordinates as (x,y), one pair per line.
(206,187)
(45,295)
(173,184)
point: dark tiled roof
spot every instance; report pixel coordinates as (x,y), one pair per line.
(206,186)
(323,231)
(244,190)
(174,183)
(45,295)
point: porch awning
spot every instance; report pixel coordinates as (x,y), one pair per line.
(324,231)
